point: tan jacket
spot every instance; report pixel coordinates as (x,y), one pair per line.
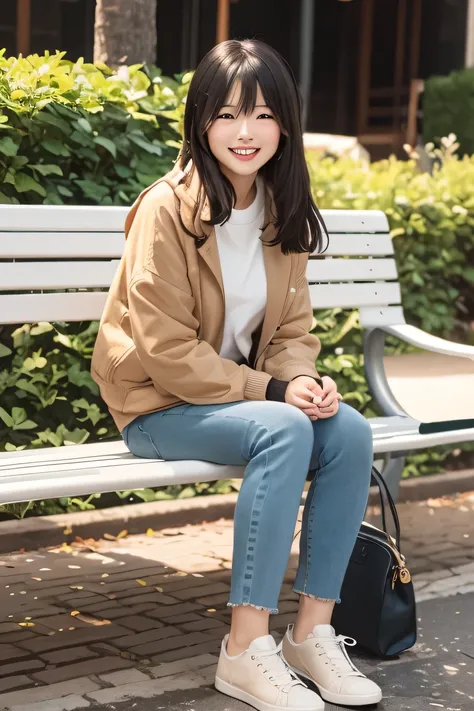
(162,327)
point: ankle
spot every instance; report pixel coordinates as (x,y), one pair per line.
(311,612)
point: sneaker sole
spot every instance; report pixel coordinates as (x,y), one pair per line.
(225,688)
(345,699)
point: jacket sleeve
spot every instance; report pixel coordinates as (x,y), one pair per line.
(165,331)
(293,350)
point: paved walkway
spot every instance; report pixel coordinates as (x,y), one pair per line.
(136,622)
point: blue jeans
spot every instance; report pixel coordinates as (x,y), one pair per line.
(278,444)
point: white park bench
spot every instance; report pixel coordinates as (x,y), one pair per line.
(79,248)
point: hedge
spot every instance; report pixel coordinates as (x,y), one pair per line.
(448,106)
(47,394)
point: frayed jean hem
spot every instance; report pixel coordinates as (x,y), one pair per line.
(271,610)
(315,597)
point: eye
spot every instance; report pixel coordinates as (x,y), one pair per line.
(225,115)
(267,116)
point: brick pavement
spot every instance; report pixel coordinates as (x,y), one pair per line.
(95,623)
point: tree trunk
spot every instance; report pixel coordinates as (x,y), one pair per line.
(125,32)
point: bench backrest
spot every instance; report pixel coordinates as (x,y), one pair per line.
(57,262)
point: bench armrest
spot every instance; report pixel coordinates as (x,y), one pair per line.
(374,347)
(421,339)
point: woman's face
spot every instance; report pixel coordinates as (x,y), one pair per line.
(243,143)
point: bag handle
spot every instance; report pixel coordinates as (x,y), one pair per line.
(383,488)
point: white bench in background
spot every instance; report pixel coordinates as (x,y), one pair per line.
(79,248)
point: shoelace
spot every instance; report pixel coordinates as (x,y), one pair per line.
(335,650)
(278,672)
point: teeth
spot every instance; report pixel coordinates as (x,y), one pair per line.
(244,151)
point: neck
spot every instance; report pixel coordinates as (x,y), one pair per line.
(244,186)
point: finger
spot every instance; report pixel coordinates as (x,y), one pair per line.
(329,384)
(300,402)
(324,414)
(313,418)
(311,411)
(329,400)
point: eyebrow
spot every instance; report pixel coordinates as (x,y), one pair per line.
(234,106)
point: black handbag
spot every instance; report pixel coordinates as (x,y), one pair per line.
(377,605)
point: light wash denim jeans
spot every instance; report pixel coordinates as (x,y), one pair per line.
(279,444)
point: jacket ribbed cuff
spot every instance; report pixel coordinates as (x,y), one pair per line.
(276,390)
(256,386)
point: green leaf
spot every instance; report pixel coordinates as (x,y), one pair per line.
(85,125)
(5,417)
(146,145)
(55,147)
(24,183)
(63,190)
(4,351)
(107,144)
(47,169)
(8,147)
(46,117)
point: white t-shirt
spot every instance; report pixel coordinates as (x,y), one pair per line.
(243,274)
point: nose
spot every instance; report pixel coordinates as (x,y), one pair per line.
(244,129)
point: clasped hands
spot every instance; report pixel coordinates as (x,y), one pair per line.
(316,402)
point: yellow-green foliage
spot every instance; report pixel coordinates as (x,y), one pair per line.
(72,132)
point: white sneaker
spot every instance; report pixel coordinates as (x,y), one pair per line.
(322,658)
(260,677)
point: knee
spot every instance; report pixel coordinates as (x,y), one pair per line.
(352,432)
(283,423)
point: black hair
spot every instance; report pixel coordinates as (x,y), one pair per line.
(253,62)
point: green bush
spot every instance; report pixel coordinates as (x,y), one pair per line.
(448,106)
(46,393)
(79,133)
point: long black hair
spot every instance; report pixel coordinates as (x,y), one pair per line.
(253,62)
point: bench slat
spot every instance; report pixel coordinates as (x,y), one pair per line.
(94,245)
(355,221)
(58,245)
(321,270)
(97,218)
(31,308)
(355,245)
(350,296)
(376,316)
(30,276)
(63,218)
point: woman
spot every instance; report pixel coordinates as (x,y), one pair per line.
(204,353)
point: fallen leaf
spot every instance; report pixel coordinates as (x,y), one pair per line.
(93,620)
(38,579)
(159,589)
(180,574)
(109,537)
(150,532)
(142,582)
(26,624)
(104,575)
(67,531)
(212,609)
(122,534)
(76,587)
(74,613)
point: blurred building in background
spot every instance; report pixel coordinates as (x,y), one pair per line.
(355,59)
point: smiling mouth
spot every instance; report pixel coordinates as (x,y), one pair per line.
(244,151)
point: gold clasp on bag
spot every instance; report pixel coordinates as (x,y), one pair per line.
(402,572)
